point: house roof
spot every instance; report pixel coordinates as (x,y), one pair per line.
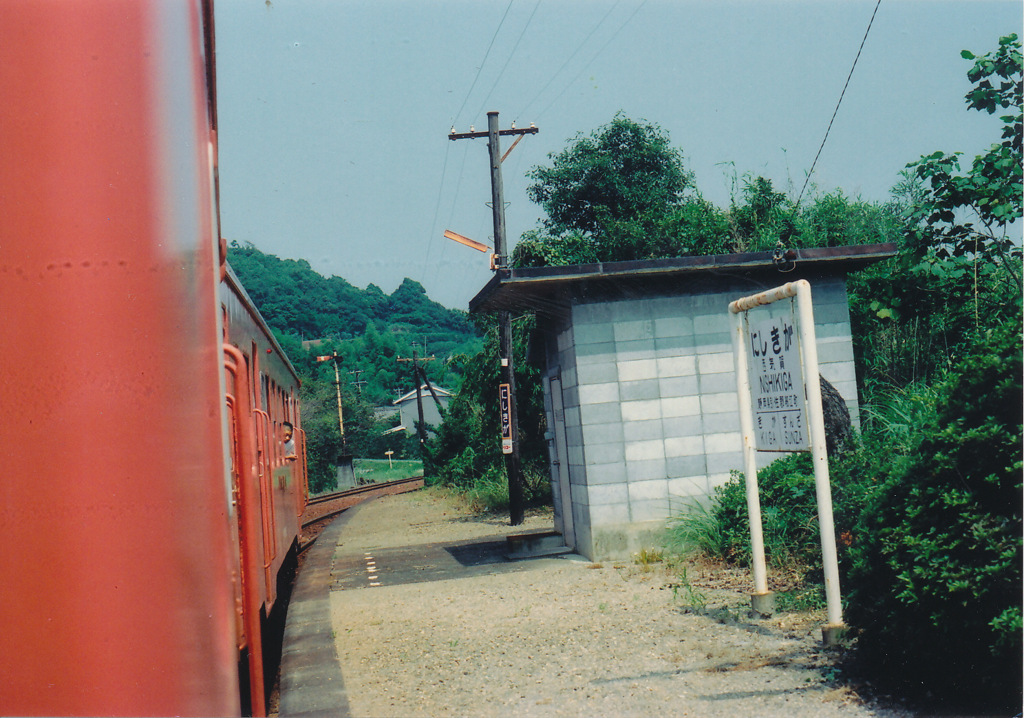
(550,289)
(423,389)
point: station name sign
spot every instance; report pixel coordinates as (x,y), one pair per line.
(505,404)
(777,386)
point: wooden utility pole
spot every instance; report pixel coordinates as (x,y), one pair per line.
(416,372)
(510,442)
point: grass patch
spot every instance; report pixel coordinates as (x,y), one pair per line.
(375,471)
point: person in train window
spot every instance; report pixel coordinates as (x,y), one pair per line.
(289,442)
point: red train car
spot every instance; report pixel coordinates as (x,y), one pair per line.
(147,508)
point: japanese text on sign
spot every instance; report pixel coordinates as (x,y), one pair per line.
(777,386)
(506,418)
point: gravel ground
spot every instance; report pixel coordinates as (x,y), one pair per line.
(568,637)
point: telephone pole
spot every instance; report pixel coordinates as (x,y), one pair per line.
(417,372)
(507,390)
(345,467)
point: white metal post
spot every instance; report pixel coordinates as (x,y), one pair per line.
(819,456)
(739,336)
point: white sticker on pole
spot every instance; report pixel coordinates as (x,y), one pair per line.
(777,386)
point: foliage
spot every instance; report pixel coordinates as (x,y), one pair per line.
(937,569)
(623,170)
(622,193)
(466,450)
(369,331)
(695,530)
(789,513)
(367,328)
(959,264)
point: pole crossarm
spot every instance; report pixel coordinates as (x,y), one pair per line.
(531,130)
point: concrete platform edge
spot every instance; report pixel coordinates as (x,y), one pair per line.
(311,680)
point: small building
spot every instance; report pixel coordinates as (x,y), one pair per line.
(409,411)
(636,360)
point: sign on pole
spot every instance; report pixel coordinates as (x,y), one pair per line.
(777,386)
(504,401)
(780,410)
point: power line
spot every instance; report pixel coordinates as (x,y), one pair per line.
(568,60)
(507,61)
(482,63)
(841,95)
(591,62)
(437,211)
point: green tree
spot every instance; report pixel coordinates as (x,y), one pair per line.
(623,170)
(937,557)
(467,447)
(960,258)
(620,193)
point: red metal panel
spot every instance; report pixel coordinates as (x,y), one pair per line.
(116,585)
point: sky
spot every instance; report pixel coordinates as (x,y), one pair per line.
(334,115)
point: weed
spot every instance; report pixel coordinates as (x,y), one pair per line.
(696,530)
(809,597)
(685,592)
(647,557)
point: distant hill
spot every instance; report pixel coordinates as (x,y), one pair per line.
(297,301)
(368,329)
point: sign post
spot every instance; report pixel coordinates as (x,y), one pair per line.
(780,410)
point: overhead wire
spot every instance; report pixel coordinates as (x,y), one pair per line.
(592,59)
(575,52)
(437,211)
(508,60)
(444,169)
(841,96)
(482,63)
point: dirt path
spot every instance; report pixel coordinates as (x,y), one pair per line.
(566,637)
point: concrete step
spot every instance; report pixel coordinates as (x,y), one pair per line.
(534,545)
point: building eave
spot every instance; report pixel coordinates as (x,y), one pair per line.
(547,289)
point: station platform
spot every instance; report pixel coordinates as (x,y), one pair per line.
(378,543)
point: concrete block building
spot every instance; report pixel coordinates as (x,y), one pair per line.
(640,388)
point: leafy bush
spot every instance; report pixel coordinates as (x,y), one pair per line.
(789,512)
(936,578)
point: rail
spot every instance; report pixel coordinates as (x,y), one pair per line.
(321,508)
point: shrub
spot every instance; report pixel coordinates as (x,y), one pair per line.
(936,580)
(789,511)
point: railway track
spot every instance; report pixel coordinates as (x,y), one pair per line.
(322,509)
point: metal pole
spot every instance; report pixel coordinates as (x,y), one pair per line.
(819,455)
(761,599)
(801,289)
